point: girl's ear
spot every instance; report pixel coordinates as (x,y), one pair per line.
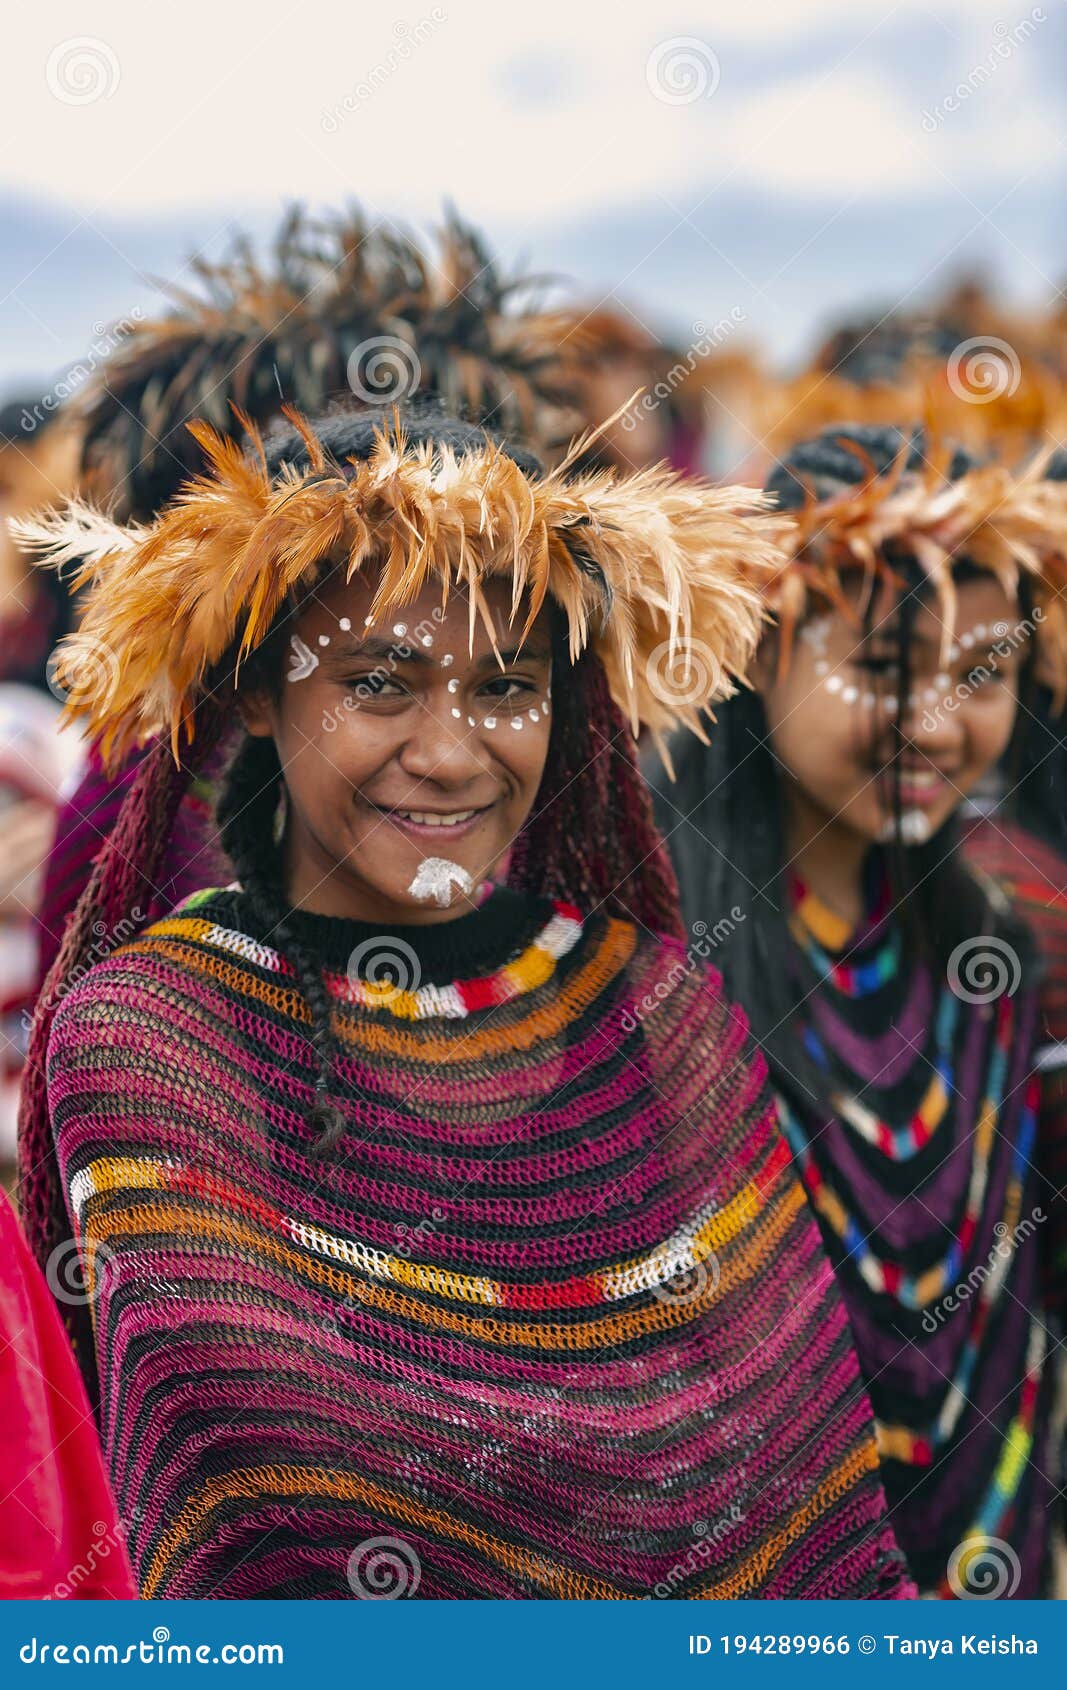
(256,712)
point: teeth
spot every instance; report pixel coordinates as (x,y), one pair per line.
(422,818)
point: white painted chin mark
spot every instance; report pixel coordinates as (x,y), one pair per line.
(436,879)
(914,828)
(302,660)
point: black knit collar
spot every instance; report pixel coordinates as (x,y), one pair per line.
(472,945)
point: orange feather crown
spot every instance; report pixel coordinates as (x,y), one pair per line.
(650,569)
(1010,522)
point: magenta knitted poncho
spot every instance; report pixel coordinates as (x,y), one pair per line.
(553,1320)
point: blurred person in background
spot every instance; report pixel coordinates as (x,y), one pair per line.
(894,988)
(38,765)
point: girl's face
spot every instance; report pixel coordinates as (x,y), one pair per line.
(837,728)
(410,761)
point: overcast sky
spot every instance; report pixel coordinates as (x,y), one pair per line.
(787,158)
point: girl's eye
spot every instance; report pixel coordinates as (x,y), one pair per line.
(374,684)
(505,687)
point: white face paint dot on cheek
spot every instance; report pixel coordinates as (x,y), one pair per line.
(471,722)
(453,686)
(324,639)
(533,715)
(447,660)
(456,713)
(490,722)
(344,624)
(833,683)
(517,722)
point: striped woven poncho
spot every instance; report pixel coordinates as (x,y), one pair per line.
(552,1321)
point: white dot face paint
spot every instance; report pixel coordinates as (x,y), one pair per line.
(816,634)
(490,722)
(517,723)
(533,715)
(453,686)
(400,629)
(471,723)
(447,660)
(427,639)
(914,828)
(849,695)
(324,639)
(834,683)
(345,624)
(822,667)
(456,713)
(438,881)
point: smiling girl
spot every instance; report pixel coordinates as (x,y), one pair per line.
(892,987)
(440,1236)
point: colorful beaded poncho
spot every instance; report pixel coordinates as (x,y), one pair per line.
(925,1183)
(553,1320)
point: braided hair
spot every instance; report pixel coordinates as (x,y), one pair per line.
(725,818)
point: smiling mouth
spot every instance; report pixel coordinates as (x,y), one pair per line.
(434,821)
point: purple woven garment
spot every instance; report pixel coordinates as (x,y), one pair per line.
(83,825)
(552,1320)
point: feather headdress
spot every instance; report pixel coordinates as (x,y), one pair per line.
(341,308)
(1009,522)
(660,573)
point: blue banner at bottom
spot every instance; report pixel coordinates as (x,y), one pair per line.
(552,1644)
